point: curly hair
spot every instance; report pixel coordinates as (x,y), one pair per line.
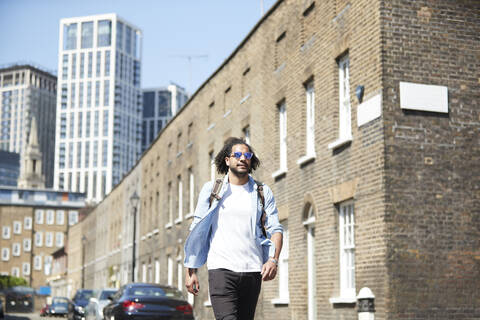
(226,151)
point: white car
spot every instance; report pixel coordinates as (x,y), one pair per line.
(94,309)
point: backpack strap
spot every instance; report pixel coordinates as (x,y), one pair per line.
(215,190)
(262,202)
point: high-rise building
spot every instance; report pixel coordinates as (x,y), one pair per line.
(159,106)
(99,103)
(28,92)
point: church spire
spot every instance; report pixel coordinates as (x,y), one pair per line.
(31,163)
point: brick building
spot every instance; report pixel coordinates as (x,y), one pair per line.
(365,116)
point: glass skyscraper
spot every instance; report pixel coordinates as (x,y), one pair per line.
(99,105)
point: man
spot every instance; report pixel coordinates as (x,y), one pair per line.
(226,233)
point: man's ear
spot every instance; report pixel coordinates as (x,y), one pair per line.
(227,161)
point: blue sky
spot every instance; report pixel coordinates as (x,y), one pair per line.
(29,33)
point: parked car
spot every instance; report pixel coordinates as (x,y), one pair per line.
(44,312)
(1,310)
(19,299)
(147,301)
(76,307)
(94,308)
(59,307)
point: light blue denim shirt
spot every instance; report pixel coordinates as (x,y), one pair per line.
(198,241)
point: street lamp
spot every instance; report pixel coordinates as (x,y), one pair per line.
(84,243)
(134,199)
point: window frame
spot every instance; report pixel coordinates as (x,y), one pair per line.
(347,249)
(310,153)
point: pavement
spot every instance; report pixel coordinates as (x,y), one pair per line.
(28,316)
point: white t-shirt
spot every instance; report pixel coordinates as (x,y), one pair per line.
(233,244)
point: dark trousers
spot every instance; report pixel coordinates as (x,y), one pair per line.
(234,295)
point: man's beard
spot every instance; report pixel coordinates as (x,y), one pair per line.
(240,174)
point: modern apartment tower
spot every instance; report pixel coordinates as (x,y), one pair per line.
(27,92)
(159,106)
(99,103)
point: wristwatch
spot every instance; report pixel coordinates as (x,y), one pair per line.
(273,260)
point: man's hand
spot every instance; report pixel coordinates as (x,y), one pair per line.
(191,281)
(269,270)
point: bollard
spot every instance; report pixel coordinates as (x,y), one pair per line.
(366,304)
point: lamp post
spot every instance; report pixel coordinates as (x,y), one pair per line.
(134,199)
(84,242)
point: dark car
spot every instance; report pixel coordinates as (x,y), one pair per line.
(19,299)
(59,307)
(76,307)
(1,310)
(148,301)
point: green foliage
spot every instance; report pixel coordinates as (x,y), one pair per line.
(10,281)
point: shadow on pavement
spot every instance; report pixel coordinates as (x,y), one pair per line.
(26,316)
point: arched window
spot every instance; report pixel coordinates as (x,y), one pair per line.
(309,223)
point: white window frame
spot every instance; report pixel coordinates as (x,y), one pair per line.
(37,263)
(5,254)
(72,217)
(59,239)
(157,271)
(310,124)
(309,223)
(16,271)
(47,262)
(179,273)
(345,109)
(347,249)
(6,232)
(17,227)
(170,207)
(27,245)
(48,239)
(180,200)
(38,238)
(283,290)
(144,272)
(60,217)
(169,270)
(26,268)
(191,193)
(282,134)
(50,217)
(27,223)
(16,249)
(39,216)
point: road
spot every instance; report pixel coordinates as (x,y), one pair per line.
(27,316)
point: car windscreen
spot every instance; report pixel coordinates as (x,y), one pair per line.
(106,293)
(59,300)
(23,290)
(155,292)
(83,295)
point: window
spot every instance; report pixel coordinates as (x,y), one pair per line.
(104,33)
(310,125)
(61,215)
(15,272)
(6,232)
(246,134)
(170,206)
(70,36)
(179,273)
(49,239)
(26,268)
(27,223)
(283,294)
(169,270)
(282,133)
(50,216)
(191,194)
(87,35)
(144,272)
(347,251)
(16,249)
(212,165)
(38,238)
(180,200)
(27,245)
(309,223)
(59,239)
(39,217)
(5,254)
(17,227)
(344,115)
(37,263)
(157,271)
(47,265)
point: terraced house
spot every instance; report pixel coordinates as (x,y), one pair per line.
(365,116)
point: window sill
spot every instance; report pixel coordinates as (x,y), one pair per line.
(207,304)
(279,172)
(245,98)
(227,113)
(340,142)
(168,225)
(178,220)
(280,301)
(155,231)
(343,300)
(189,215)
(306,158)
(210,127)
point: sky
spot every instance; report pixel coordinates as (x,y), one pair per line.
(172,31)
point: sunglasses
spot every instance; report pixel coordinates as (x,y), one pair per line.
(238,155)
